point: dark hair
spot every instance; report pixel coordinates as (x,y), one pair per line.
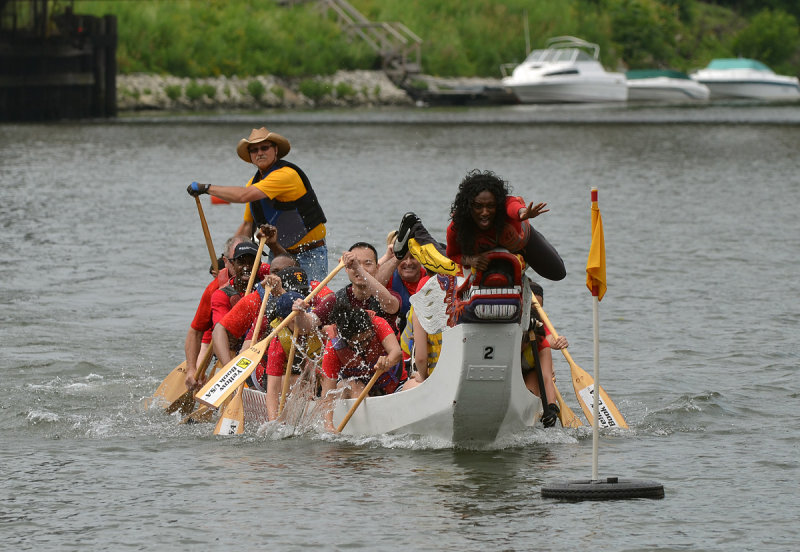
(220,265)
(365,245)
(537,289)
(349,320)
(461,211)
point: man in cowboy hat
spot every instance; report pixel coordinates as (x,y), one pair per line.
(279,194)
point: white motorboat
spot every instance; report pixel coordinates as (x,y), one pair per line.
(567,70)
(663,85)
(746,78)
(476,395)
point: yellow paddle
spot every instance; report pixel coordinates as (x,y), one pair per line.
(565,414)
(207,234)
(231,418)
(288,375)
(360,398)
(174,385)
(583,384)
(225,381)
(186,401)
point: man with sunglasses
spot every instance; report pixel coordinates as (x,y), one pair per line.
(280,194)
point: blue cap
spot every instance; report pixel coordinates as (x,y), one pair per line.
(283,305)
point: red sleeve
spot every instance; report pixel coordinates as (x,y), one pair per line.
(382,327)
(422,282)
(330,362)
(453,250)
(202,318)
(239,318)
(543,344)
(220,305)
(513,205)
(322,293)
(276,358)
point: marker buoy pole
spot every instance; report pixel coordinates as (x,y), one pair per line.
(612,488)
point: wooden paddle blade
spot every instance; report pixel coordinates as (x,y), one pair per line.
(567,417)
(171,389)
(231,418)
(226,381)
(184,403)
(583,383)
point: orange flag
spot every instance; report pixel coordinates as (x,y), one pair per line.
(596,264)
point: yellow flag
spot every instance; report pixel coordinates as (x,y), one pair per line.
(596,264)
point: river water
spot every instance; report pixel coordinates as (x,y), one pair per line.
(105,262)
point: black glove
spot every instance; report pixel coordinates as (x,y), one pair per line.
(550,415)
(195,189)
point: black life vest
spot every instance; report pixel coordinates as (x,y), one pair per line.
(294,219)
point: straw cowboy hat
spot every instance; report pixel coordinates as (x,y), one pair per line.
(261,135)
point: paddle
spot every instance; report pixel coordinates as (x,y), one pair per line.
(565,414)
(186,401)
(287,376)
(207,234)
(360,398)
(218,388)
(583,385)
(174,385)
(231,418)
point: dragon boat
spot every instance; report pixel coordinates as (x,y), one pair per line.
(476,394)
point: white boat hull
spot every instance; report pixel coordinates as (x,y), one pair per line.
(569,90)
(749,84)
(754,90)
(665,89)
(475,395)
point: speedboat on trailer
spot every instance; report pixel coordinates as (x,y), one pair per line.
(746,78)
(476,395)
(567,70)
(663,85)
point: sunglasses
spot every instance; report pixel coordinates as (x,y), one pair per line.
(256,149)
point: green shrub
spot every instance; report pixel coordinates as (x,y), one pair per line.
(194,91)
(174,91)
(314,89)
(209,90)
(345,90)
(256,89)
(772,37)
(278,92)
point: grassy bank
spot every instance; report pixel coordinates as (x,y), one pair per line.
(461,37)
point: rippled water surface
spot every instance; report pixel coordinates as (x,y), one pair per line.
(105,262)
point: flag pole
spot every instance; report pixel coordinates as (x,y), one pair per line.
(612,488)
(596,394)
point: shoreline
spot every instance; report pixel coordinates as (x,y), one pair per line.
(148,92)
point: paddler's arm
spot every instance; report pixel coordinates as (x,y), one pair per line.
(420,348)
(271,234)
(386,268)
(222,346)
(393,352)
(191,349)
(231,194)
(387,300)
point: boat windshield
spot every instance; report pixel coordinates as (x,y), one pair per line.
(556,55)
(738,63)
